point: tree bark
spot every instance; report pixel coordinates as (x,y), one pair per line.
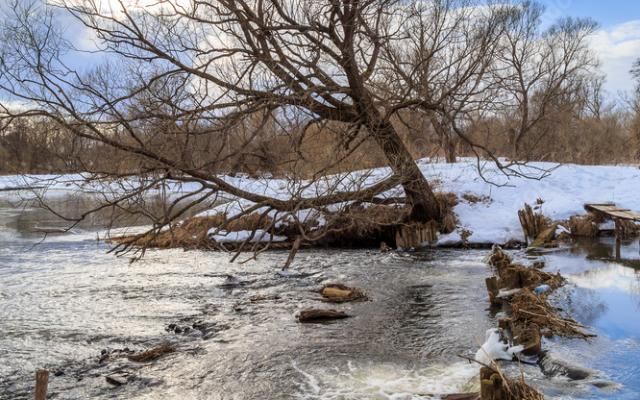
(424,205)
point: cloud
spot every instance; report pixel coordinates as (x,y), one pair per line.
(617,49)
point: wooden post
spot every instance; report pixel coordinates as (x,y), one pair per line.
(42,381)
(618,233)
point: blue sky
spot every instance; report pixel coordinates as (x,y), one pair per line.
(617,42)
(607,12)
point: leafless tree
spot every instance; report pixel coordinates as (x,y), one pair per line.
(536,70)
(184,85)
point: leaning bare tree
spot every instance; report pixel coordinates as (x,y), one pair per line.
(188,88)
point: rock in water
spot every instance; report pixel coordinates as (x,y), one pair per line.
(117,379)
(152,354)
(338,293)
(320,315)
(551,366)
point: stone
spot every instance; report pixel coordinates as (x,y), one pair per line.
(320,315)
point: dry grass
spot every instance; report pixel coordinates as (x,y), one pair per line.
(447,202)
(529,309)
(192,233)
(585,226)
(358,225)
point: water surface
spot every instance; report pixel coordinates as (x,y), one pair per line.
(63,301)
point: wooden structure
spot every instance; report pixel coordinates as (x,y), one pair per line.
(618,215)
(610,210)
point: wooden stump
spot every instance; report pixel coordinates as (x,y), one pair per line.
(491,387)
(416,235)
(492,288)
(42,382)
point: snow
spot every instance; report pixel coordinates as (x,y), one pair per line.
(495,349)
(493,220)
(259,235)
(564,191)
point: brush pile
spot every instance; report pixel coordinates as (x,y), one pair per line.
(522,292)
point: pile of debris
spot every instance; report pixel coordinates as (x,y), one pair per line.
(522,294)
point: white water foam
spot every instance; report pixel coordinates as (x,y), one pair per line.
(387,381)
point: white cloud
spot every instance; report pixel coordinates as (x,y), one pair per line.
(617,49)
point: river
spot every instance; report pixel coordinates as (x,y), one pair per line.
(64,301)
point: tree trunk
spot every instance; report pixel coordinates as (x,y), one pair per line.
(447,143)
(450,150)
(424,205)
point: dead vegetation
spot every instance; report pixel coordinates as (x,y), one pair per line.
(358,225)
(473,199)
(584,226)
(533,223)
(193,232)
(529,309)
(530,314)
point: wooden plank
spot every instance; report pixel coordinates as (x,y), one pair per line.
(613,211)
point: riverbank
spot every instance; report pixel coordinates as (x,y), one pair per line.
(486,209)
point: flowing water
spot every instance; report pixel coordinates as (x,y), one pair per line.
(64,302)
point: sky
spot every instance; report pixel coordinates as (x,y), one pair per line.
(617,42)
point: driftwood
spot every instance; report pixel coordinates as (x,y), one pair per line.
(320,315)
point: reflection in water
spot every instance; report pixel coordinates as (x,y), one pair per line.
(65,300)
(25,217)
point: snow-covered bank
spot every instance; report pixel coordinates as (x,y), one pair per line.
(494,218)
(490,215)
(564,192)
